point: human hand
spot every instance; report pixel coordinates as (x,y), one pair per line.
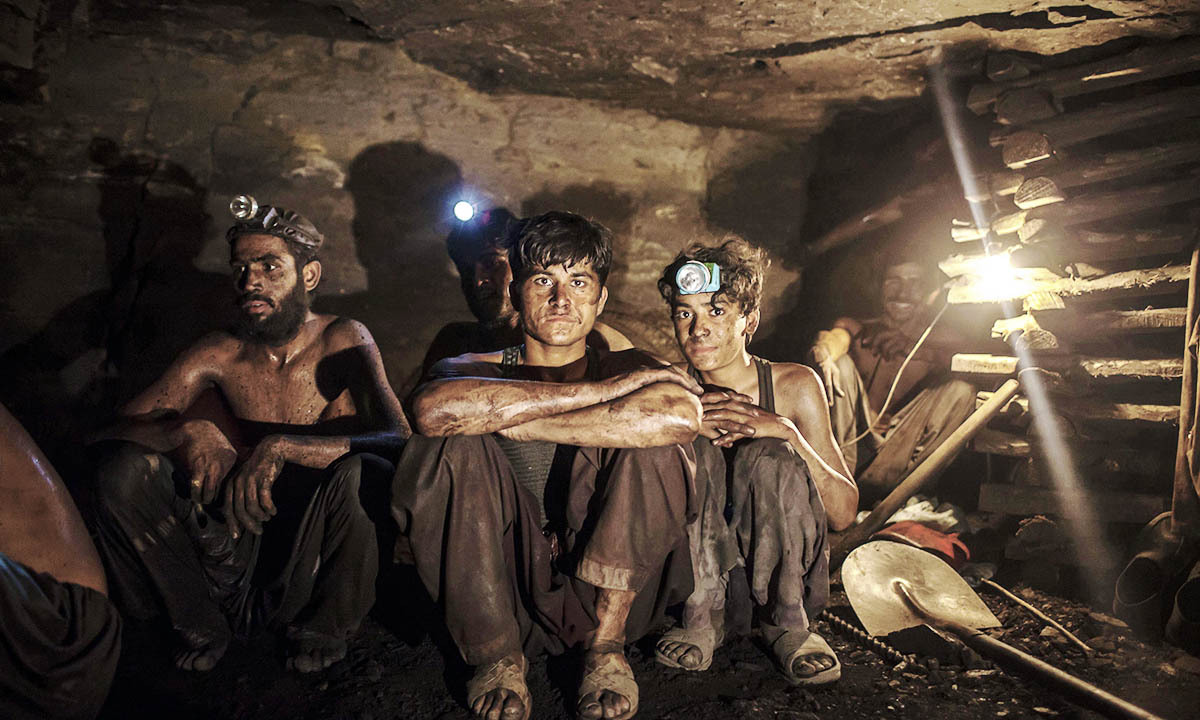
(831,376)
(208,456)
(884,341)
(248,502)
(733,417)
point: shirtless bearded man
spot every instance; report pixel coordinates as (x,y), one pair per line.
(766,452)
(549,483)
(258,522)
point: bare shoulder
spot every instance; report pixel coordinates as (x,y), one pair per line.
(340,333)
(795,377)
(214,350)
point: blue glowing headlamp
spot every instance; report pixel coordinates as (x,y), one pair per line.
(695,277)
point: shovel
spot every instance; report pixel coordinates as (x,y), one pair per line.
(892,587)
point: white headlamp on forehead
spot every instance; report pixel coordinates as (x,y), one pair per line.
(695,277)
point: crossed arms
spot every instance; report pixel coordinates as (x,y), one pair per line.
(646,407)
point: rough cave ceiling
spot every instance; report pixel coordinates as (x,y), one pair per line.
(759,64)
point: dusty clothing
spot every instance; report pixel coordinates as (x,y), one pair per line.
(759,508)
(915,429)
(484,555)
(59,644)
(312,569)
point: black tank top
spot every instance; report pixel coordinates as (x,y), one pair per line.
(766,383)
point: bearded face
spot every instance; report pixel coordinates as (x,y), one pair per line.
(277,327)
(271,295)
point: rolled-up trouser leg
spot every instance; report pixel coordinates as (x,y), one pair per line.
(780,525)
(328,584)
(59,644)
(151,557)
(711,543)
(626,510)
(478,548)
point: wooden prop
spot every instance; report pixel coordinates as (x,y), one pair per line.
(1127,283)
(1040,140)
(1109,506)
(923,473)
(1091,409)
(1089,368)
(1103,167)
(1185,506)
(1143,64)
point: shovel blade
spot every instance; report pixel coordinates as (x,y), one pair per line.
(873,573)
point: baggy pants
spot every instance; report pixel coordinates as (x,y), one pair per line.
(477,545)
(59,644)
(763,512)
(913,432)
(313,568)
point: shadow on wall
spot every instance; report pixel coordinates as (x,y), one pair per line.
(102,348)
(402,199)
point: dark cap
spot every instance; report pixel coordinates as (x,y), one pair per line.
(254,219)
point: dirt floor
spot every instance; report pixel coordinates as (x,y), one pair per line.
(397,669)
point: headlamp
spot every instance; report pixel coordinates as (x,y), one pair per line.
(464,210)
(695,277)
(252,218)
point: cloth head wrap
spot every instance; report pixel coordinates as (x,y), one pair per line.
(254,219)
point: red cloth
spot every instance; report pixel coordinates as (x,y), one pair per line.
(947,546)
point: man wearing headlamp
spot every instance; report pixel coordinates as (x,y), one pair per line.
(549,483)
(231,523)
(768,472)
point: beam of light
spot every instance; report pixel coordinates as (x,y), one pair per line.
(464,210)
(1076,510)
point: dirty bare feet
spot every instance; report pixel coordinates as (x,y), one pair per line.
(681,653)
(201,651)
(804,657)
(311,651)
(608,690)
(498,691)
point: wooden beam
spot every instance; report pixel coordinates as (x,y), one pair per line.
(1032,336)
(1109,506)
(1070,323)
(1101,206)
(1062,254)
(1147,63)
(1094,409)
(996,442)
(1022,148)
(1092,368)
(1130,282)
(1108,244)
(1025,105)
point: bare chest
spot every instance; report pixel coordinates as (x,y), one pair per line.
(295,393)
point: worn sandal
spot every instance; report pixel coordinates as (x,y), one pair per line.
(705,639)
(789,647)
(505,674)
(608,671)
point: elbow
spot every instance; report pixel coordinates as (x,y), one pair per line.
(842,515)
(686,411)
(429,417)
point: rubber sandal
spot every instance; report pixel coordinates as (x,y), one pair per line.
(706,640)
(610,672)
(788,647)
(506,674)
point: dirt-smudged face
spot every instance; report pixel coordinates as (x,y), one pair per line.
(489,299)
(272,297)
(559,304)
(711,335)
(905,286)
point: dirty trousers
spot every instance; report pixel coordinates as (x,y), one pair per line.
(59,644)
(476,541)
(882,460)
(759,508)
(312,570)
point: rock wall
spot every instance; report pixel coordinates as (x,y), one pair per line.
(116,172)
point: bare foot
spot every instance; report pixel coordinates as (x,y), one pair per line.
(608,690)
(311,651)
(807,666)
(685,654)
(200,652)
(498,691)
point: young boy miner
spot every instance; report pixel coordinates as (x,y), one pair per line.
(549,483)
(766,451)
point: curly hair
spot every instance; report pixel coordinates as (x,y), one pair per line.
(558,238)
(742,267)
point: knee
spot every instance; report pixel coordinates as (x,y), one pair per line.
(127,474)
(845,366)
(960,393)
(768,448)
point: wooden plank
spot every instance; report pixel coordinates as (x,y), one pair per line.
(1147,63)
(1109,506)
(1107,244)
(1038,191)
(1019,106)
(1101,206)
(1072,324)
(1130,282)
(1094,409)
(1056,255)
(1025,329)
(1092,368)
(1073,128)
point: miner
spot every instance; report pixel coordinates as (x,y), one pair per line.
(769,474)
(860,361)
(258,520)
(479,250)
(549,483)
(60,635)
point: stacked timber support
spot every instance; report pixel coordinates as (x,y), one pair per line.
(1091,190)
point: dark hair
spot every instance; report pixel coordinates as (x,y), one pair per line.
(742,267)
(558,238)
(471,239)
(302,254)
